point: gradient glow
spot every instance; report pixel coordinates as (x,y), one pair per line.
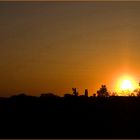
(54,46)
(126,84)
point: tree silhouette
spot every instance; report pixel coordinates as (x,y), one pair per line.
(102,92)
(94,94)
(138,94)
(75,93)
(113,94)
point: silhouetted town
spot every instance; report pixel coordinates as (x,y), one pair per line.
(72,116)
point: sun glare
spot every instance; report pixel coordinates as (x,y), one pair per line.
(126,85)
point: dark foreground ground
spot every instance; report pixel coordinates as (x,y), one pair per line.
(69,117)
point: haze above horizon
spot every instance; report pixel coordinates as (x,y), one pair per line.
(54,46)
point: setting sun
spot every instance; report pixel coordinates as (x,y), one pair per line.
(125,85)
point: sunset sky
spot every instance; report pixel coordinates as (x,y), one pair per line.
(55,46)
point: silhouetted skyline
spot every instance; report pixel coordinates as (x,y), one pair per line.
(71,116)
(54,46)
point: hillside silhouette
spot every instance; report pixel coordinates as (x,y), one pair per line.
(71,116)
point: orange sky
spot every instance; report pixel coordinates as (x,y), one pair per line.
(54,46)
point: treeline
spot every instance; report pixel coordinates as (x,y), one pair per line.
(103,92)
(71,116)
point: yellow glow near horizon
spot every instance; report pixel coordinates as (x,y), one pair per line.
(125,85)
